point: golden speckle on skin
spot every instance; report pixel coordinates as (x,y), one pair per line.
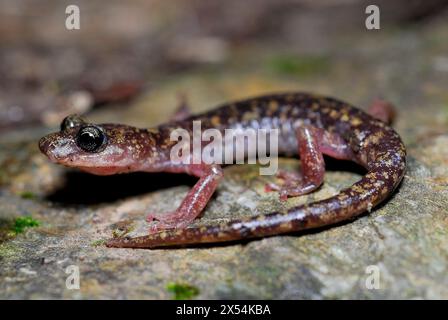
(342,196)
(153,130)
(345,110)
(273,105)
(163,235)
(345,117)
(355,121)
(290,98)
(286,226)
(247,116)
(216,121)
(388,163)
(334,114)
(119,136)
(375,138)
(358,189)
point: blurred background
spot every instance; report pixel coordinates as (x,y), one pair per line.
(211,51)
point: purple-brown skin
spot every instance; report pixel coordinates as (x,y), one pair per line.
(317,125)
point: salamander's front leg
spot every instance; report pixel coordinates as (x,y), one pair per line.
(195,201)
(313,143)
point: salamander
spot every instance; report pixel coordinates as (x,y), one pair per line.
(310,126)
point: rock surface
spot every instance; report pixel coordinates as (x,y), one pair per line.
(406,239)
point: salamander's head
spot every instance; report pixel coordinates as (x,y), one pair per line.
(99,149)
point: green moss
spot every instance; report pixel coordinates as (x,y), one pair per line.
(22,223)
(28,195)
(122,228)
(182,291)
(8,251)
(298,65)
(5,230)
(98,243)
(9,228)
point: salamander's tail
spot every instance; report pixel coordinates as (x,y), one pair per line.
(386,168)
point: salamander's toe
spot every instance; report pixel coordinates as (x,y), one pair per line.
(291,182)
(289,176)
(292,188)
(167,221)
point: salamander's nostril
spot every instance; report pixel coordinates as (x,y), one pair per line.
(46,144)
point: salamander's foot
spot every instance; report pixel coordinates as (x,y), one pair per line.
(288,178)
(289,189)
(292,186)
(166,221)
(383,110)
(159,227)
(193,203)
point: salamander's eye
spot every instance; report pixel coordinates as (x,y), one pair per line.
(71,121)
(90,138)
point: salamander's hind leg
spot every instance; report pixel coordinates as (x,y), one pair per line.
(195,201)
(383,110)
(312,143)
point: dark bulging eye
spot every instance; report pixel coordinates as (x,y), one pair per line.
(90,138)
(71,121)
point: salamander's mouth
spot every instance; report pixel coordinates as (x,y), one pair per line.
(101,171)
(56,148)
(94,169)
